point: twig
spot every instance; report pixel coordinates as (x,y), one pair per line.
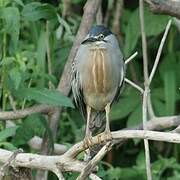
(59,174)
(48,54)
(144,43)
(131,57)
(91,164)
(146,90)
(160,51)
(146,143)
(134,85)
(94,177)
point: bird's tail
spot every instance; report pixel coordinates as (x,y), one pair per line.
(96,122)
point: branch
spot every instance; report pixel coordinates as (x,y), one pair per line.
(134,85)
(131,58)
(169,7)
(66,162)
(92,163)
(146,88)
(157,123)
(35,143)
(159,51)
(18,114)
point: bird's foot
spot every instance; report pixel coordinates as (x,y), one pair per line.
(87,141)
(108,135)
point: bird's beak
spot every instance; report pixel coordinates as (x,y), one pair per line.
(89,40)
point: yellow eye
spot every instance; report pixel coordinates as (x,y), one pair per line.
(101,36)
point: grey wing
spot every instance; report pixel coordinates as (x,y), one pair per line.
(77,88)
(122,76)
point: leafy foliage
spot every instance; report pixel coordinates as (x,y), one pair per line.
(26,27)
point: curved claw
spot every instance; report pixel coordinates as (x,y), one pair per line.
(108,135)
(87,142)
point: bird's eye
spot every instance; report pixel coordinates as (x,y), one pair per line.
(101,36)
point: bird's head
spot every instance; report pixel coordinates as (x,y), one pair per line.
(98,34)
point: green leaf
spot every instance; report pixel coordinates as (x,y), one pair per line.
(7,61)
(159,107)
(15,76)
(11,17)
(8,146)
(35,11)
(125,105)
(168,74)
(135,117)
(19,2)
(44,96)
(4,3)
(30,127)
(8,132)
(65,24)
(154,24)
(170,91)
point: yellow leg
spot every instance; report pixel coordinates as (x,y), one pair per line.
(88,132)
(107,129)
(88,135)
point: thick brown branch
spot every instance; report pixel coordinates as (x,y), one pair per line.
(169,7)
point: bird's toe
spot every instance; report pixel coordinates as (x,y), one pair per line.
(108,136)
(87,141)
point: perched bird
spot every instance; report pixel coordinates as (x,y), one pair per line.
(97,78)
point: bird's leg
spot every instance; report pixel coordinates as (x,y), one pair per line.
(107,129)
(88,135)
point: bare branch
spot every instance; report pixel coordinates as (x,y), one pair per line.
(36,142)
(170,7)
(131,57)
(18,114)
(134,85)
(144,43)
(8,163)
(146,85)
(66,162)
(159,51)
(91,164)
(94,177)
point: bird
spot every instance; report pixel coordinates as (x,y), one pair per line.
(98,72)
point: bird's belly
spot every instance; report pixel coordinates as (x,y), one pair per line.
(99,80)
